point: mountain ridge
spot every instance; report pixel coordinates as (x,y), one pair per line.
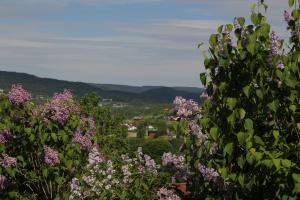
(47,86)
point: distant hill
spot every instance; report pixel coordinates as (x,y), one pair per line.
(141,89)
(130,94)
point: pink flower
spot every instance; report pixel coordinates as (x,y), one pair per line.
(3,181)
(185,108)
(7,161)
(51,156)
(5,135)
(84,141)
(274,44)
(60,108)
(18,95)
(165,194)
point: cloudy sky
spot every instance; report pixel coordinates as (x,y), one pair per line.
(134,42)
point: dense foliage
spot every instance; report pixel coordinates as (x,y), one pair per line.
(246,143)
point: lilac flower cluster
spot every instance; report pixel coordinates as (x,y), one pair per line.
(95,158)
(209,174)
(274,44)
(18,95)
(84,141)
(287,16)
(165,194)
(176,164)
(172,159)
(88,124)
(146,163)
(197,133)
(104,176)
(185,108)
(3,182)
(50,156)
(280,66)
(5,135)
(60,108)
(75,189)
(7,161)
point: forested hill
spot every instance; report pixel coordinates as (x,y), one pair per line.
(48,86)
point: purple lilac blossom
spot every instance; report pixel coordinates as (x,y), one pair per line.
(60,108)
(3,181)
(274,44)
(165,194)
(51,156)
(287,16)
(18,95)
(5,135)
(7,161)
(83,140)
(209,174)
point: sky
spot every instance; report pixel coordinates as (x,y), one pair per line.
(132,42)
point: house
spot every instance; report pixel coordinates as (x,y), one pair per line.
(152,134)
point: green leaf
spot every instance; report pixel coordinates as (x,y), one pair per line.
(54,137)
(274,105)
(203,78)
(296,188)
(277,164)
(259,94)
(241,138)
(231,102)
(213,40)
(286,163)
(248,125)
(276,134)
(296,177)
(241,20)
(291,3)
(228,148)
(241,162)
(214,133)
(241,179)
(246,91)
(242,113)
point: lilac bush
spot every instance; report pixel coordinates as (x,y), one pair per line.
(120,178)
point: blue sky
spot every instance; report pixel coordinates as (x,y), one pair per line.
(134,42)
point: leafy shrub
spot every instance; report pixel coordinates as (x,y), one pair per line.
(247,145)
(121,177)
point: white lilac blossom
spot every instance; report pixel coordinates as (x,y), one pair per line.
(165,194)
(280,66)
(75,189)
(185,108)
(177,165)
(196,132)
